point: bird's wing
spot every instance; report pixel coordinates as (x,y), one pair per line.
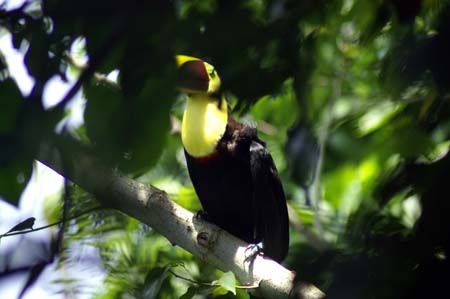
(272,222)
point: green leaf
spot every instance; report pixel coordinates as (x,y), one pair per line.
(14,176)
(242,294)
(219,291)
(191,292)
(37,59)
(228,282)
(154,281)
(130,130)
(11,101)
(197,290)
(101,118)
(96,37)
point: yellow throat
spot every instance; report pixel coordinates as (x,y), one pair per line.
(204,123)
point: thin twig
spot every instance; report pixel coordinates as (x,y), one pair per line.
(52,224)
(322,137)
(59,240)
(83,66)
(92,66)
(208,284)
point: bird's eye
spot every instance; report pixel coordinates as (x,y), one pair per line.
(213,73)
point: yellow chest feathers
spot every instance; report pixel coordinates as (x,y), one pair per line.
(204,123)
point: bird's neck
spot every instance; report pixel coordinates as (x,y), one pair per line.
(204,123)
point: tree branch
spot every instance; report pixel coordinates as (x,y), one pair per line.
(153,207)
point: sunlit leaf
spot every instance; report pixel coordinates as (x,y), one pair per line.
(191,292)
(228,282)
(153,282)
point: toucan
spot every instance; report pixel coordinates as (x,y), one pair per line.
(231,170)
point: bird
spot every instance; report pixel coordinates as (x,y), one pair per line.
(231,170)
(303,152)
(26,224)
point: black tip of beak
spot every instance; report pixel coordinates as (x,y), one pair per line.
(192,76)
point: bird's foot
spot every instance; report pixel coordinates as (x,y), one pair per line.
(252,251)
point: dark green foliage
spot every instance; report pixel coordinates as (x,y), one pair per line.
(15,171)
(10,109)
(265,37)
(15,167)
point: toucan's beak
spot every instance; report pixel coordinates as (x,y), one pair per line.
(192,75)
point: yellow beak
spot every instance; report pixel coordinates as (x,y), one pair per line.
(182,59)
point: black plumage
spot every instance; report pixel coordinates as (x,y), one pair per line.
(240,190)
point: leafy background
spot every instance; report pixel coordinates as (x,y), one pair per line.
(351,96)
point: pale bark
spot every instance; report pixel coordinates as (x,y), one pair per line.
(180,226)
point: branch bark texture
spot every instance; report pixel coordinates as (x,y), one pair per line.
(180,226)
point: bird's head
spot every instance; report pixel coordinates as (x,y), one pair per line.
(197,76)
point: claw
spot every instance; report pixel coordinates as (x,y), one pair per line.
(252,251)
